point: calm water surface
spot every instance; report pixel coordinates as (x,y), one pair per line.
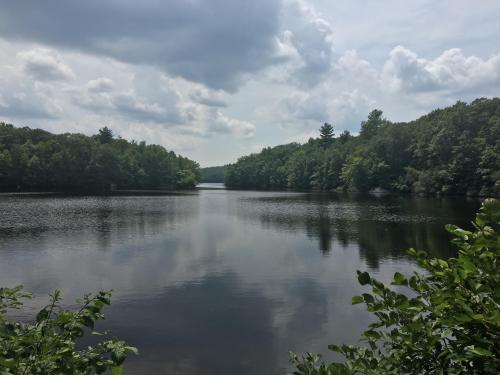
(216,281)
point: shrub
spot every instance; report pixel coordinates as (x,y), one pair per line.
(447,322)
(49,345)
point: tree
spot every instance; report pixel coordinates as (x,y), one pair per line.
(369,128)
(34,160)
(326,134)
(455,150)
(50,344)
(105,135)
(447,322)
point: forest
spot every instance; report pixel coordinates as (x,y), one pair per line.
(36,160)
(213,174)
(455,150)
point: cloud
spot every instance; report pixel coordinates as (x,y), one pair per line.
(452,71)
(149,98)
(216,43)
(208,97)
(307,40)
(22,97)
(221,123)
(351,66)
(45,65)
(28,104)
(132,106)
(101,84)
(344,109)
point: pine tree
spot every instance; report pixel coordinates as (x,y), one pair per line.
(326,134)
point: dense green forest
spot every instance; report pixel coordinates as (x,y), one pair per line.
(455,150)
(34,160)
(213,174)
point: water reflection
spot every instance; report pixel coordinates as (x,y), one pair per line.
(96,222)
(382,227)
(219,282)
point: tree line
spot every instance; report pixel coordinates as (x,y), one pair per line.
(36,160)
(213,174)
(455,150)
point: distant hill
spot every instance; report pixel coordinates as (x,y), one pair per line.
(455,150)
(36,160)
(213,174)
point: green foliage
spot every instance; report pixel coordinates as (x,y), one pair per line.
(213,174)
(105,135)
(49,345)
(455,150)
(33,159)
(446,322)
(326,134)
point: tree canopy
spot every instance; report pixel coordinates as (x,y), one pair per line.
(455,150)
(213,174)
(34,160)
(326,134)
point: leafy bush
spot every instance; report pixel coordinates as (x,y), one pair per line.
(448,322)
(49,345)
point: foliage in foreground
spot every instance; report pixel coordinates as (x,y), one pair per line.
(448,322)
(50,345)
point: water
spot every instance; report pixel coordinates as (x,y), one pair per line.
(218,281)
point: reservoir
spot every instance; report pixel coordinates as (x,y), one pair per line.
(215,281)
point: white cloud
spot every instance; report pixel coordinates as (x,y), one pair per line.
(45,65)
(308,40)
(353,67)
(220,123)
(451,71)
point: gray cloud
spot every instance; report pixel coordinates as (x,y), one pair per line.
(208,98)
(213,42)
(101,84)
(149,100)
(27,104)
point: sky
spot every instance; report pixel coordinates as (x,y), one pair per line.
(217,79)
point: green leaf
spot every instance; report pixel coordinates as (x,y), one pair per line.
(480,351)
(7,362)
(335,348)
(42,315)
(357,299)
(364,278)
(399,279)
(368,298)
(132,349)
(117,370)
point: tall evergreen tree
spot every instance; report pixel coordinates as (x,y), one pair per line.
(326,134)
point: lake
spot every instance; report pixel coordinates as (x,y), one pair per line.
(215,281)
